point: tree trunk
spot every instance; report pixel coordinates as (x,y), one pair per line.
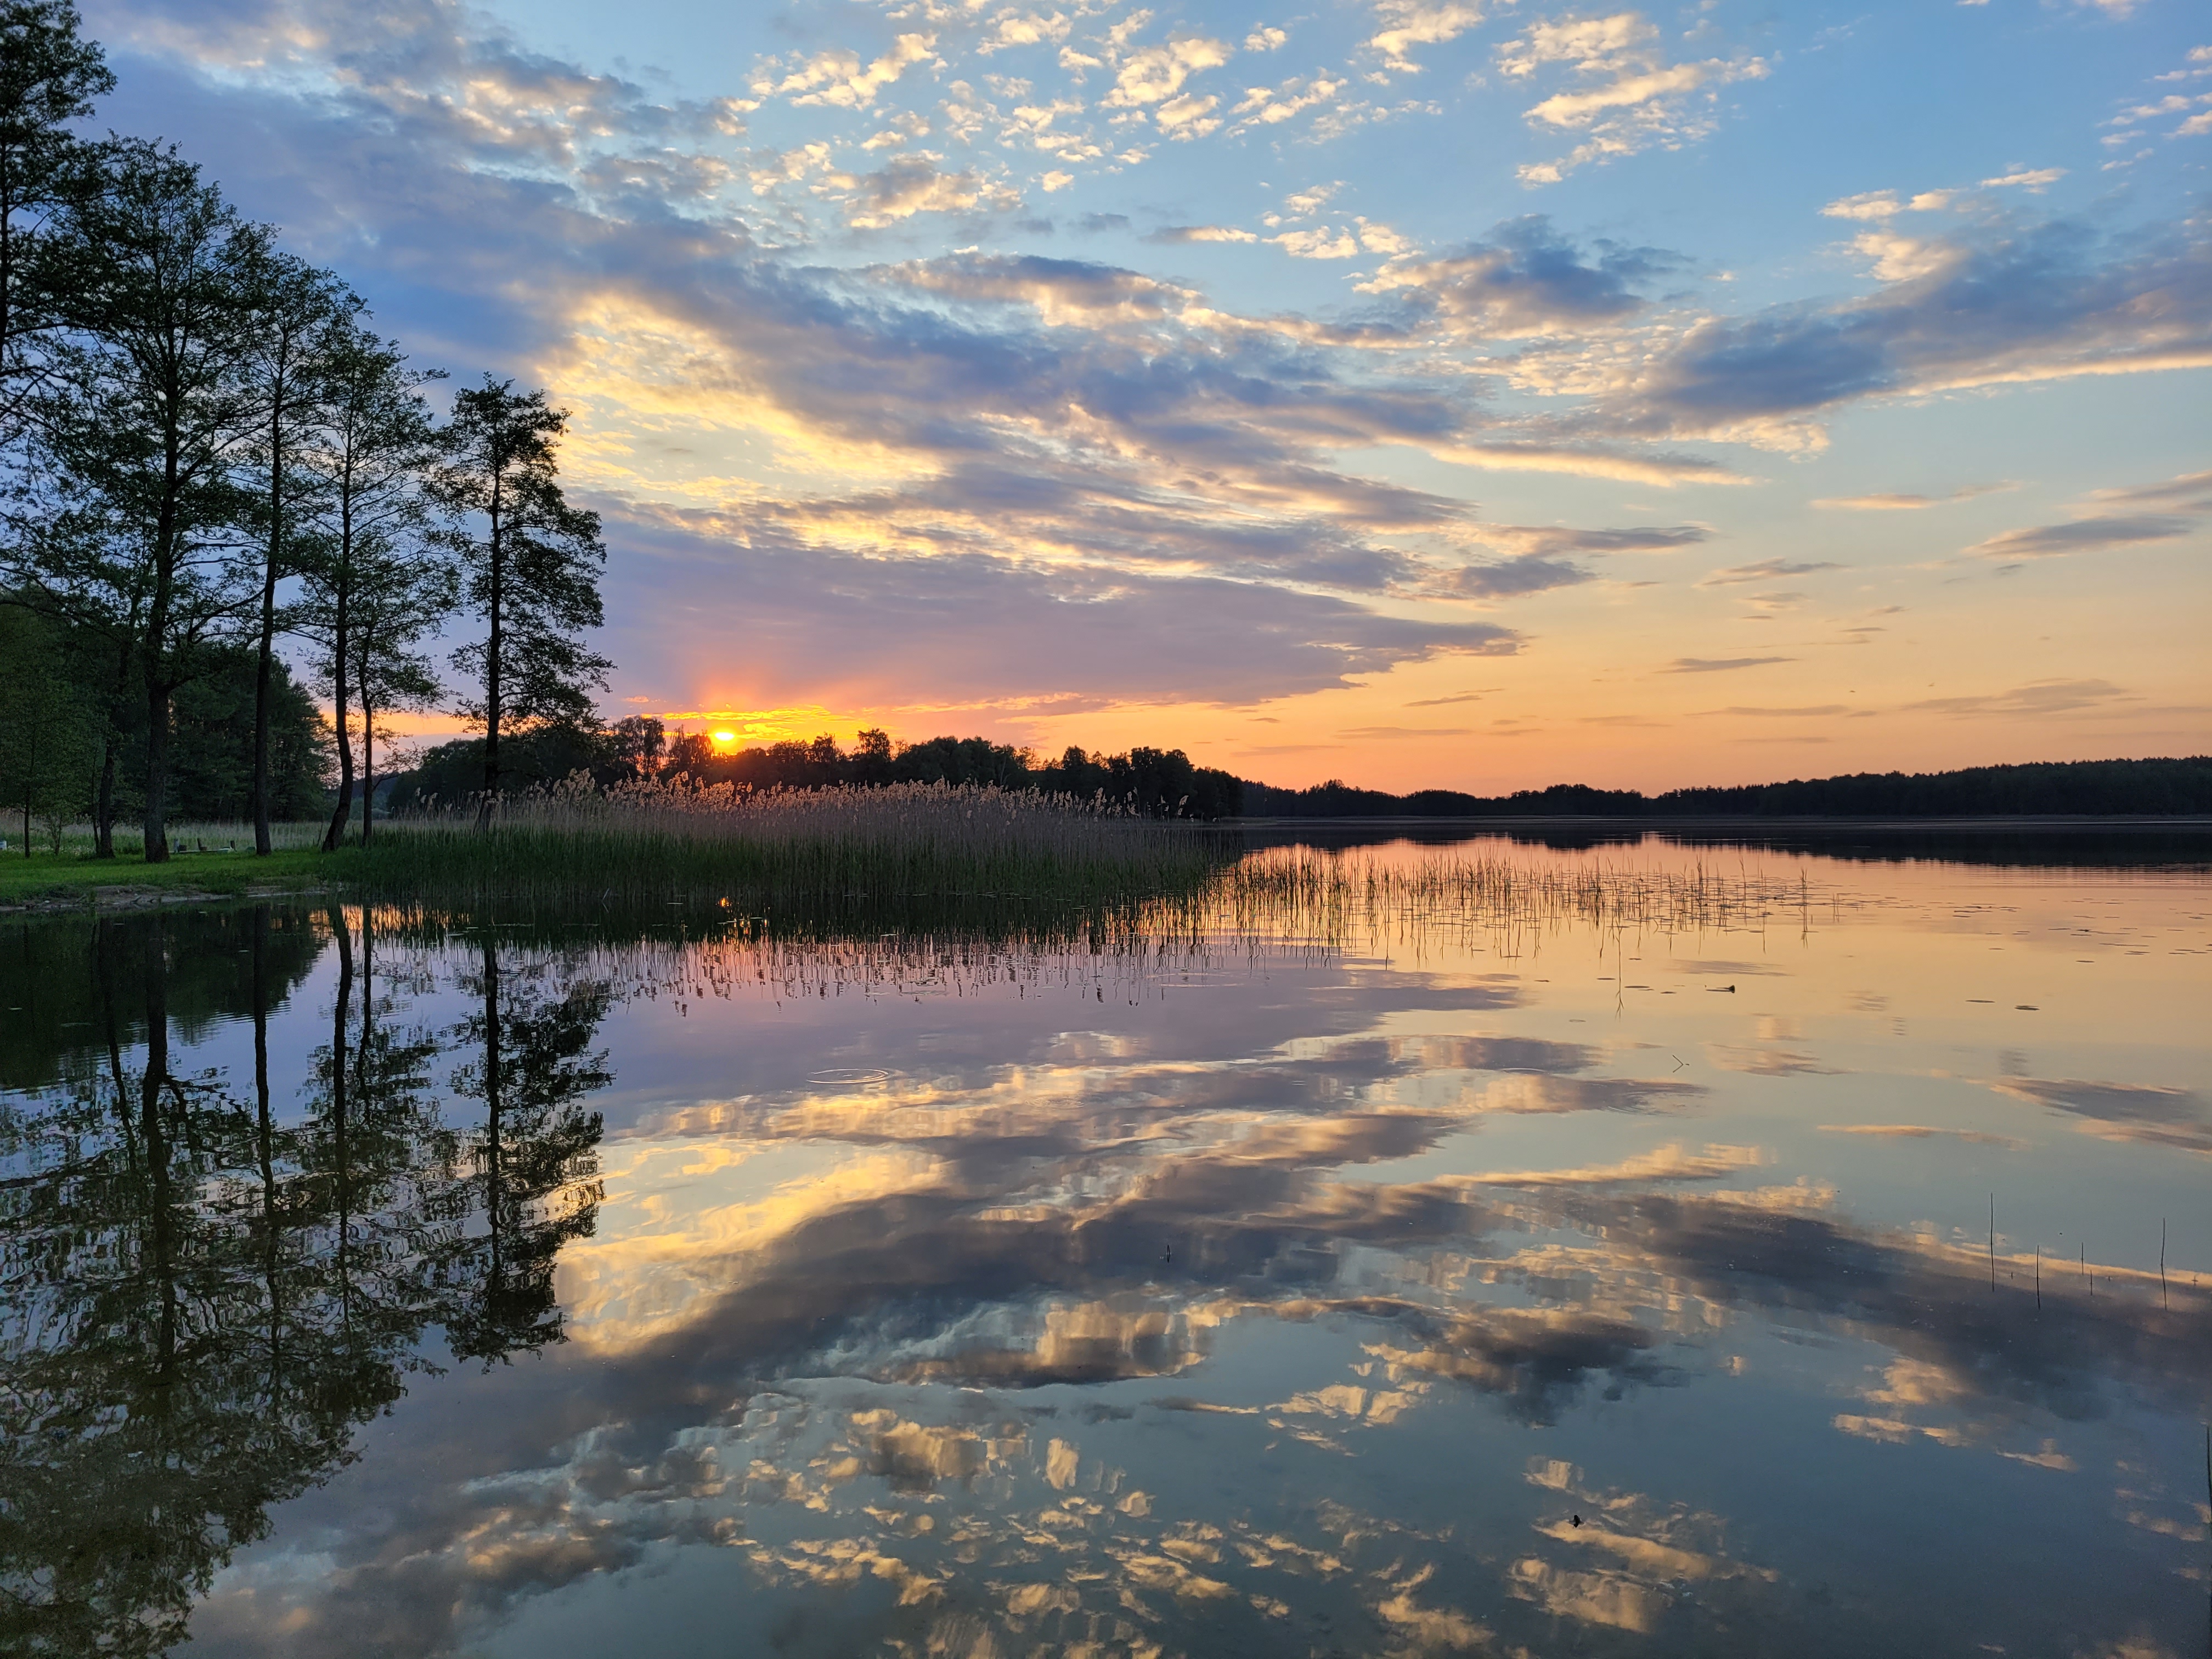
(263,666)
(367,761)
(156,821)
(491,665)
(103,811)
(336,833)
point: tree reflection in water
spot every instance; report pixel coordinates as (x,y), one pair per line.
(534,1159)
(205,1295)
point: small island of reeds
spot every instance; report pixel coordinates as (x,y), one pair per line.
(838,850)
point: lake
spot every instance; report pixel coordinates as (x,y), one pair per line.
(1792,1247)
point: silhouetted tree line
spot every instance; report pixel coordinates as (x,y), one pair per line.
(2150,787)
(1157,782)
(205,450)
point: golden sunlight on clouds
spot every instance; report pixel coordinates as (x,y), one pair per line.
(668,409)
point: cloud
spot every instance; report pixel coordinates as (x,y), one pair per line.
(1322,243)
(1012,28)
(2035,180)
(1156,73)
(907,184)
(836,78)
(1629,97)
(2191,491)
(1906,503)
(1718,665)
(1172,233)
(1806,711)
(1419,23)
(2042,697)
(1767,570)
(2170,509)
(2020,304)
(1526,279)
(1509,578)
(980,630)
(1268,106)
(1384,733)
(1554,539)
(2084,536)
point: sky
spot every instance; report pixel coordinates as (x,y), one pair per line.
(1466,394)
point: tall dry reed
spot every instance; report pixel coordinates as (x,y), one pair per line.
(843,848)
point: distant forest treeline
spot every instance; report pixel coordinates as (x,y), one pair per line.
(2159,787)
(1159,783)
(1166,783)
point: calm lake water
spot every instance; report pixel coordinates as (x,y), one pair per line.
(1811,1262)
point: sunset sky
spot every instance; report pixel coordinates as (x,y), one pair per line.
(1444,392)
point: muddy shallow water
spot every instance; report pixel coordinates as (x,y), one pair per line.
(1821,1269)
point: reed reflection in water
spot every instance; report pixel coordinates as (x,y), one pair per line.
(1385,1260)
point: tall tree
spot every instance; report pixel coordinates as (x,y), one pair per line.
(49,77)
(376,586)
(530,565)
(153,397)
(294,309)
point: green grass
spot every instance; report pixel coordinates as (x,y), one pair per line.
(42,879)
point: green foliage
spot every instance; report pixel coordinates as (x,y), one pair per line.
(49,77)
(46,743)
(375,584)
(530,565)
(211,744)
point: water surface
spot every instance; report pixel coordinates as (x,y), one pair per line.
(1404,1278)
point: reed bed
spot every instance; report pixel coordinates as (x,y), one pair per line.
(1362,896)
(828,851)
(1276,905)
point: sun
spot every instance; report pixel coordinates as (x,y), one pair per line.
(724,739)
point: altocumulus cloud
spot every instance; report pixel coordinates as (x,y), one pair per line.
(1018,448)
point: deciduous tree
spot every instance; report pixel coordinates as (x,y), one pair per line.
(376,584)
(294,309)
(530,565)
(139,435)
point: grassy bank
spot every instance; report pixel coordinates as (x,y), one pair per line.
(44,879)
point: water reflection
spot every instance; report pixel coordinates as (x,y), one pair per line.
(205,1301)
(1415,1289)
